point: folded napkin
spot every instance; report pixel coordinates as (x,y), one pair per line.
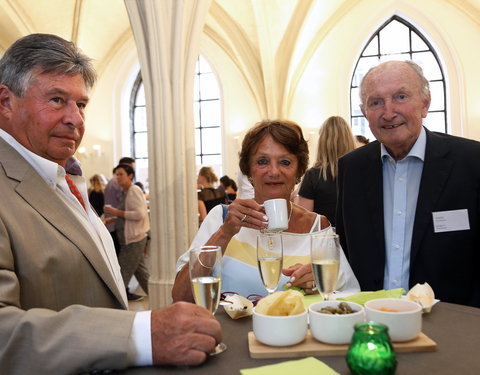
(305,366)
(363,297)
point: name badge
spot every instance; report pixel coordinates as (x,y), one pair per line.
(449,221)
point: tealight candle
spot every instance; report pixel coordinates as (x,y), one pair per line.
(371,351)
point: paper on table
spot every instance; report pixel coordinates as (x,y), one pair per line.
(311,298)
(305,366)
(363,297)
(360,297)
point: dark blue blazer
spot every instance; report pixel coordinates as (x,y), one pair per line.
(448,261)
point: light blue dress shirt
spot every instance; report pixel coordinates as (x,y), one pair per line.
(401,182)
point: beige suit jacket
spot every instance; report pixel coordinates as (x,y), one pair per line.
(60,309)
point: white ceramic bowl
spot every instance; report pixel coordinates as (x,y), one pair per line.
(404,324)
(280,330)
(334,329)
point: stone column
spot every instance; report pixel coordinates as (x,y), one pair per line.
(167,34)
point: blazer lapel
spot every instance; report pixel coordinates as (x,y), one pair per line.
(436,170)
(45,201)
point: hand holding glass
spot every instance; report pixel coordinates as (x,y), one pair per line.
(325,256)
(270,259)
(205,266)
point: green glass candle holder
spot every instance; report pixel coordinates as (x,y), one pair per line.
(371,351)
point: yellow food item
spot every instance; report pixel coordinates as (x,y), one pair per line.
(387,309)
(282,303)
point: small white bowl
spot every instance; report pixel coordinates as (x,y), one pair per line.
(404,324)
(337,328)
(280,330)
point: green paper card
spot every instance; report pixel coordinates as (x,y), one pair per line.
(363,297)
(305,366)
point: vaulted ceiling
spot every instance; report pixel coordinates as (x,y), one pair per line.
(100,27)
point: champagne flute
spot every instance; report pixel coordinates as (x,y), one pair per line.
(325,256)
(205,267)
(270,259)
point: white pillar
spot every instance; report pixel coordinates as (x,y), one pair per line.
(167,34)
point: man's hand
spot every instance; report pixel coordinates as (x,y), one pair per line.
(183,334)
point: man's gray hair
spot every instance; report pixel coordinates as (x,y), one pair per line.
(424,84)
(39,54)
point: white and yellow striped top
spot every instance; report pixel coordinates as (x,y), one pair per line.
(240,271)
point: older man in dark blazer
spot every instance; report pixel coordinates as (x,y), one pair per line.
(63,308)
(409,203)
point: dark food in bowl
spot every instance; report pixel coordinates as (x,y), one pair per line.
(342,309)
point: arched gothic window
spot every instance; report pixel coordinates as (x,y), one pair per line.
(207,119)
(138,131)
(397,39)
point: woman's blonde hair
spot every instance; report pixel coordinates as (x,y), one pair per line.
(335,140)
(97,183)
(209,174)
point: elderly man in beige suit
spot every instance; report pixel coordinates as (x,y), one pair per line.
(63,307)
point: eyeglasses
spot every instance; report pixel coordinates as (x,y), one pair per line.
(254,298)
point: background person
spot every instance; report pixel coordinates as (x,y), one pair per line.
(361,140)
(113,197)
(209,196)
(408,203)
(62,298)
(96,195)
(274,155)
(230,188)
(131,226)
(318,190)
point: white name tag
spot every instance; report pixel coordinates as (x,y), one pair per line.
(449,221)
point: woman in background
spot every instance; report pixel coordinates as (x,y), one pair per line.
(361,140)
(230,187)
(96,195)
(132,226)
(208,196)
(318,192)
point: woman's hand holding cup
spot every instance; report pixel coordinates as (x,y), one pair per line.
(246,213)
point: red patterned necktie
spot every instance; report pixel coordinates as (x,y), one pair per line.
(75,190)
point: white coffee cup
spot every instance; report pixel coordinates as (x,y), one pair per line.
(277,212)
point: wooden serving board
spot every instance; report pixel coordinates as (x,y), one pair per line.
(312,347)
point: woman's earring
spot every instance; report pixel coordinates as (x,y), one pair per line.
(250,180)
(298,180)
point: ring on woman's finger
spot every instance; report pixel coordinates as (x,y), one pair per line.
(244,218)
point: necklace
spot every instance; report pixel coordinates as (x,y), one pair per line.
(291,211)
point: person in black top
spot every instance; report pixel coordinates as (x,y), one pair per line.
(208,195)
(318,191)
(96,194)
(230,188)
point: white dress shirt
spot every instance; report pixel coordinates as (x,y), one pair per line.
(401,182)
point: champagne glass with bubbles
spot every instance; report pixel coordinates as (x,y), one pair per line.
(325,256)
(205,266)
(270,259)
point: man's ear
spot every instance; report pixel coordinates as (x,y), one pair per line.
(6,97)
(426,105)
